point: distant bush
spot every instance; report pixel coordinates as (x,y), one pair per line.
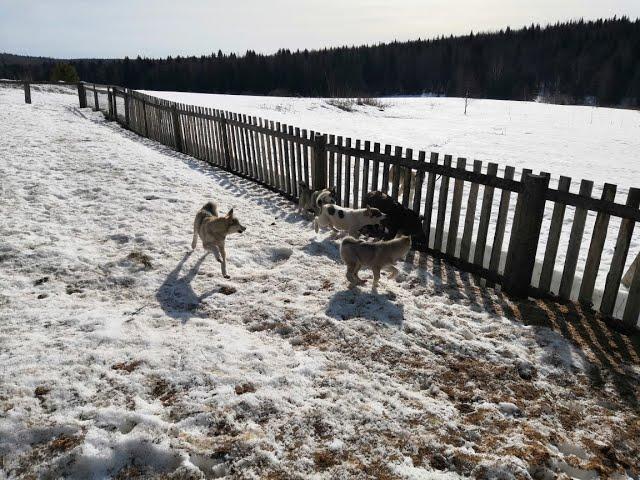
(346,104)
(371,102)
(63,72)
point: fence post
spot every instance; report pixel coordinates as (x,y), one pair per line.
(82,97)
(126,107)
(521,256)
(319,162)
(27,92)
(110,102)
(114,99)
(95,98)
(225,142)
(177,132)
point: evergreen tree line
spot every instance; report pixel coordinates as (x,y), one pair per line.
(572,62)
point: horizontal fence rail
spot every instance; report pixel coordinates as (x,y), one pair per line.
(484,223)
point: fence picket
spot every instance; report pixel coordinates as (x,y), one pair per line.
(612,285)
(376,167)
(501,223)
(594,256)
(575,239)
(428,200)
(454,219)
(417,196)
(347,175)
(469,220)
(442,206)
(356,177)
(485,215)
(365,171)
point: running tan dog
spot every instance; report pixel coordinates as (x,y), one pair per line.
(375,255)
(213,231)
(347,219)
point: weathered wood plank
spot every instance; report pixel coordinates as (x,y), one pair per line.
(339,194)
(553,240)
(299,161)
(575,240)
(592,264)
(306,157)
(470,215)
(442,206)
(365,171)
(417,196)
(485,217)
(292,157)
(332,163)
(428,200)
(347,175)
(376,167)
(501,223)
(397,170)
(612,284)
(385,169)
(456,204)
(356,177)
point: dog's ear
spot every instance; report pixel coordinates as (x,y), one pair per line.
(368,212)
(333,190)
(230,213)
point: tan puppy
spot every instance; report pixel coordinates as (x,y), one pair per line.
(375,255)
(213,231)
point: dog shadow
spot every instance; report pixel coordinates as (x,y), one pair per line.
(328,247)
(356,303)
(176,296)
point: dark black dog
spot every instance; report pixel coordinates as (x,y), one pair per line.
(399,219)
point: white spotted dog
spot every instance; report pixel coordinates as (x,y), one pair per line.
(347,219)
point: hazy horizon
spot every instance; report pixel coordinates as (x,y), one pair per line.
(85,29)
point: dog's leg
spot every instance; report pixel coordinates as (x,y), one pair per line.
(376,276)
(315,224)
(223,264)
(196,226)
(216,253)
(356,269)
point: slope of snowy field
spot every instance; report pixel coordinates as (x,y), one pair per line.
(125,355)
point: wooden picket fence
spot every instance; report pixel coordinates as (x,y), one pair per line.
(279,156)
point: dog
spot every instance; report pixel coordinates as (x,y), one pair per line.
(403,172)
(213,231)
(313,200)
(398,219)
(375,255)
(347,219)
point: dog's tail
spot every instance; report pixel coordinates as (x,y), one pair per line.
(209,209)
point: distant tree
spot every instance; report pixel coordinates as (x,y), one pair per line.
(64,72)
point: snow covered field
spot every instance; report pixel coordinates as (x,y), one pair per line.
(124,355)
(598,144)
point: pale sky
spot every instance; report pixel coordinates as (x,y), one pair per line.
(115,28)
